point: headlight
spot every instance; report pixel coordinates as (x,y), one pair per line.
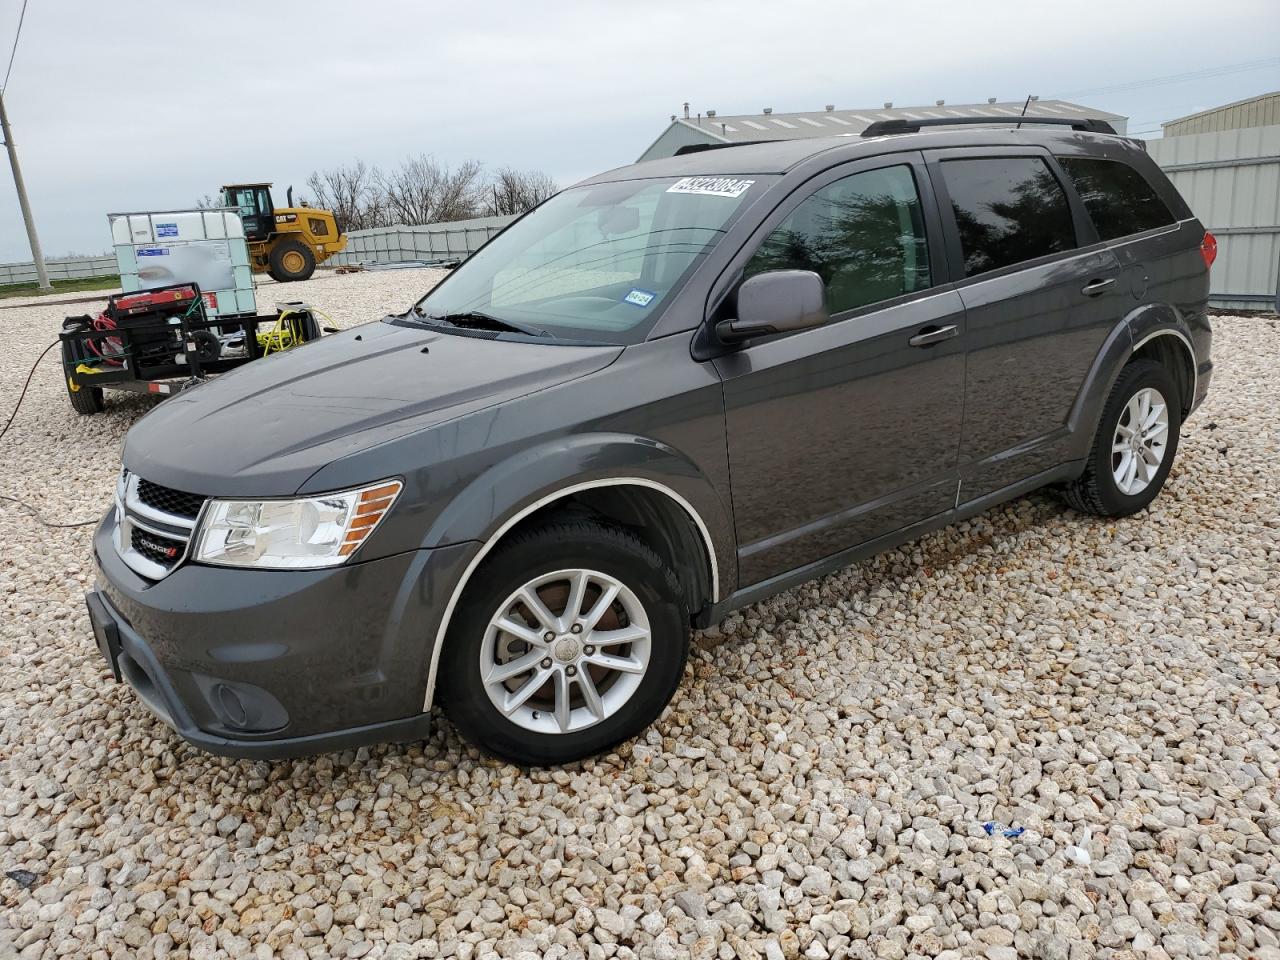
(303,533)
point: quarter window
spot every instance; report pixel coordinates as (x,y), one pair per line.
(1119,199)
(863,235)
(1008,210)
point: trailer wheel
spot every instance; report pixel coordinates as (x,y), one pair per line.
(85,400)
(291,260)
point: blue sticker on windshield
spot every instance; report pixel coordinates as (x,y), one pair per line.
(639,298)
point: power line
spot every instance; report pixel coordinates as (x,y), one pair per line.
(1220,71)
(14,52)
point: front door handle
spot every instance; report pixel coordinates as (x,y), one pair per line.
(931,335)
(1095,287)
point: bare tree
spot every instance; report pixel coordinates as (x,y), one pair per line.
(422,190)
(352,192)
(515,191)
(207,202)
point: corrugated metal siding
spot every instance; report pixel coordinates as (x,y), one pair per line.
(1231,180)
(680,135)
(1261,111)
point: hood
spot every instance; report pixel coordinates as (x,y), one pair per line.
(264,428)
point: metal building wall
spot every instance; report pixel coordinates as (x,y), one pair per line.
(1231,179)
(1261,111)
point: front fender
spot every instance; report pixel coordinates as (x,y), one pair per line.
(514,488)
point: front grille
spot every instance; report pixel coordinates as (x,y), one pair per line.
(154,525)
(156,548)
(169,500)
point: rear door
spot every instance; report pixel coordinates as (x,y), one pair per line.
(848,431)
(1041,293)
(1140,228)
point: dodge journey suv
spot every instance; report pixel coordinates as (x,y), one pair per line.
(669,391)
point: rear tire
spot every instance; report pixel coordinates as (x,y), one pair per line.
(291,260)
(586,688)
(1134,446)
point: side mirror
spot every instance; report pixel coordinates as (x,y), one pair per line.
(780,301)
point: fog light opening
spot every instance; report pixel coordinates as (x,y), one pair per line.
(231,706)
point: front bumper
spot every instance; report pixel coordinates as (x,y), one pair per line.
(273,664)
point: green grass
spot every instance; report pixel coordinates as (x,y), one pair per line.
(59,286)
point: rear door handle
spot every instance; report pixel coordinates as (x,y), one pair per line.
(931,335)
(1095,287)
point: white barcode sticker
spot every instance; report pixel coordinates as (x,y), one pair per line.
(712,186)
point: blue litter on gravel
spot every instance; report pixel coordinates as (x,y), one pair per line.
(991,826)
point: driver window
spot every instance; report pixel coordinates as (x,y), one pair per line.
(863,235)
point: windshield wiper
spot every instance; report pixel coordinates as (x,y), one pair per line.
(476,320)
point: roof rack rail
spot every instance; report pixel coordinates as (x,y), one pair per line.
(881,128)
(689,148)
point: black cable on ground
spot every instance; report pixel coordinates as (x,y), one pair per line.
(36,513)
(23,394)
(8,423)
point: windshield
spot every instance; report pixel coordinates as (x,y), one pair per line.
(596,262)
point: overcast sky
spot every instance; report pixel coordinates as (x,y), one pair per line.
(147,106)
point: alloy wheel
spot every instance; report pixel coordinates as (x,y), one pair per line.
(1141,437)
(565,651)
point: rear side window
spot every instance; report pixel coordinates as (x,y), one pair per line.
(863,235)
(1008,209)
(1118,197)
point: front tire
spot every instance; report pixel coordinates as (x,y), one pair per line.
(1134,445)
(571,638)
(290,260)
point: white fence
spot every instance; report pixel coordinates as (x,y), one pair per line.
(1231,179)
(73,268)
(436,241)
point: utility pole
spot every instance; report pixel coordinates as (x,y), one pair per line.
(42,275)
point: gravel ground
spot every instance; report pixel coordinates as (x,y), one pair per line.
(818,788)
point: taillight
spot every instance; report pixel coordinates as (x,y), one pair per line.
(1209,249)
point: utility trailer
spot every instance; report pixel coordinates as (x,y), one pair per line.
(163,340)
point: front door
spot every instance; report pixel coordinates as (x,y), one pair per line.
(849,431)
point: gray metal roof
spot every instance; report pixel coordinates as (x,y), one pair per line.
(827,123)
(1260,111)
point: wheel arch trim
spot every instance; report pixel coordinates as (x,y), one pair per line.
(1186,343)
(533,507)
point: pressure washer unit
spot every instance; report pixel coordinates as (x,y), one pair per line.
(163,340)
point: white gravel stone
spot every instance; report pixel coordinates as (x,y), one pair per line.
(816,789)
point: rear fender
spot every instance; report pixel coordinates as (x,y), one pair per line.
(1136,329)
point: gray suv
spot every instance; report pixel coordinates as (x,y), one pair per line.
(670,391)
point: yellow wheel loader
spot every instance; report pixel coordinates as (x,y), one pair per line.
(286,243)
